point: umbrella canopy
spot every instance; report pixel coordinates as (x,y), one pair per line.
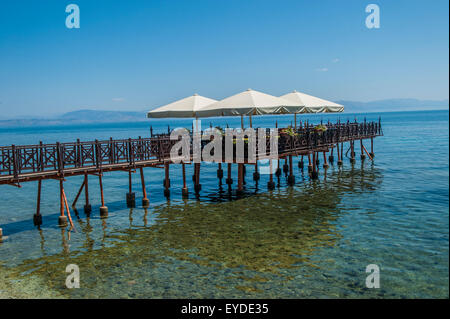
(186,107)
(250,102)
(312,104)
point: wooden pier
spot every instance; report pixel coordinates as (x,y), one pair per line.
(25,163)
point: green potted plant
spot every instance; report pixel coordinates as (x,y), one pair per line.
(320,128)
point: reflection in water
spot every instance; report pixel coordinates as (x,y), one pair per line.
(220,248)
(42,241)
(145,216)
(64,245)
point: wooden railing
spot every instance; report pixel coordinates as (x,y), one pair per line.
(24,159)
(16,160)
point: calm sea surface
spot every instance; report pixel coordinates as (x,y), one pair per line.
(311,240)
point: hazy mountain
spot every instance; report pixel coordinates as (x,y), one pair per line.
(103,116)
(94,116)
(393,105)
(78,117)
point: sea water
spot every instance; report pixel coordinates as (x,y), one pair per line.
(313,240)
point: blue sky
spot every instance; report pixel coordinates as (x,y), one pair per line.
(137,55)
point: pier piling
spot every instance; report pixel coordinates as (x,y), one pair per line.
(166,180)
(229,180)
(131,196)
(240,178)
(256,173)
(87,206)
(340,154)
(339,161)
(145,200)
(270,183)
(285,166)
(310,166)
(103,208)
(314,173)
(37,218)
(352,152)
(325,164)
(184,190)
(197,185)
(291,177)
(220,171)
(331,157)
(300,163)
(278,171)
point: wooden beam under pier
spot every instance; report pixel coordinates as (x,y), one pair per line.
(62,220)
(368,154)
(79,193)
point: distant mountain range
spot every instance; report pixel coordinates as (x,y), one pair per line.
(103,116)
(94,116)
(78,117)
(394,105)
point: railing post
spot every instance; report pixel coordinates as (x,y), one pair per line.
(111,151)
(379,125)
(130,152)
(14,161)
(141,149)
(97,155)
(365,126)
(58,158)
(41,157)
(159,148)
(78,154)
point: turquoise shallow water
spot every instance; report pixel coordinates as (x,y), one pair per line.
(313,240)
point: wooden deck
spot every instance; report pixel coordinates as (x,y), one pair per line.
(26,163)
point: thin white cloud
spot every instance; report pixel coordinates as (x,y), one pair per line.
(118,99)
(335,60)
(322,69)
